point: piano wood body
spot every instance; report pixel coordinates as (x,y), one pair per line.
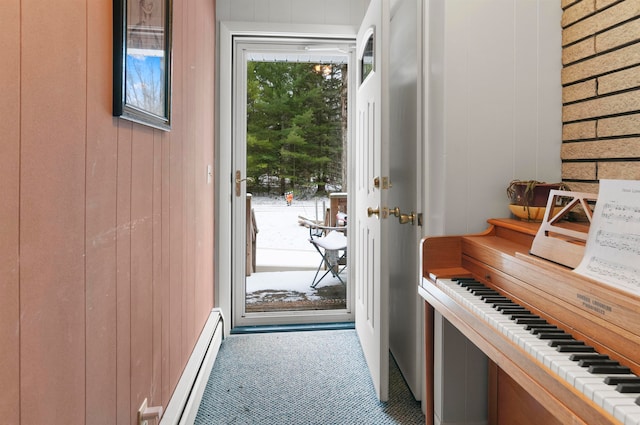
(521,389)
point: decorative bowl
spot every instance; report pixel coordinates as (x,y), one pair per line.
(529,213)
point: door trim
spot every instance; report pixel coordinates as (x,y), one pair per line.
(224,173)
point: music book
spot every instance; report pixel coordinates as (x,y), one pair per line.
(612,251)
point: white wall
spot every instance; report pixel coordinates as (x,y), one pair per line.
(494,114)
(494,95)
(494,106)
(329,12)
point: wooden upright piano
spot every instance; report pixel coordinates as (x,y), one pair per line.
(528,381)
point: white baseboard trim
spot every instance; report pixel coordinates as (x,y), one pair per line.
(185,401)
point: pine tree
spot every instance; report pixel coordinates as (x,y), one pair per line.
(295,124)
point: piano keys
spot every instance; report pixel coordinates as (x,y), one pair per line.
(555,348)
(567,343)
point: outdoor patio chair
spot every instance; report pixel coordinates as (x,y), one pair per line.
(331,244)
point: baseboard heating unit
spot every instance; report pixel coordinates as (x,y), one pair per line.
(184,404)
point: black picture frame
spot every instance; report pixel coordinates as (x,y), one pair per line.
(142,61)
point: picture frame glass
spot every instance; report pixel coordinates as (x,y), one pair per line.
(145,60)
(142,62)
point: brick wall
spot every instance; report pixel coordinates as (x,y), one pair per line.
(601,92)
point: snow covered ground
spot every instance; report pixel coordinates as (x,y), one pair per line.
(285,260)
(281,243)
(289,286)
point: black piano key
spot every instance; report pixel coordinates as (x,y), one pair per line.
(511,307)
(540,326)
(524,316)
(575,349)
(470,284)
(553,335)
(480,292)
(464,279)
(536,331)
(484,294)
(581,356)
(477,287)
(511,311)
(525,321)
(628,388)
(590,362)
(473,285)
(495,304)
(556,342)
(494,298)
(615,380)
(609,370)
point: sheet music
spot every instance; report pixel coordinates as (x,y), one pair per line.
(612,252)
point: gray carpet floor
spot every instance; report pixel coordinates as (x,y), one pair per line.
(310,377)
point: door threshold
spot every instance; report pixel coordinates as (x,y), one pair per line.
(292,328)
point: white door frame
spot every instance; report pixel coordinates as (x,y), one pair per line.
(225,174)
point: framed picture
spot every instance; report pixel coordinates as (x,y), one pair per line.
(142,61)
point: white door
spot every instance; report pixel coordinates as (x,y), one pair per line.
(369,256)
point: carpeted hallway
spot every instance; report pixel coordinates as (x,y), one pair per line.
(310,377)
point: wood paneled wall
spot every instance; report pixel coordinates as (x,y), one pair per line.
(106,227)
(601,92)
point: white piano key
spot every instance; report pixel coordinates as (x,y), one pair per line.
(622,407)
(628,415)
(533,347)
(563,365)
(572,371)
(580,381)
(549,359)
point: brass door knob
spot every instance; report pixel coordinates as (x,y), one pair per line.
(403,218)
(372,211)
(407,218)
